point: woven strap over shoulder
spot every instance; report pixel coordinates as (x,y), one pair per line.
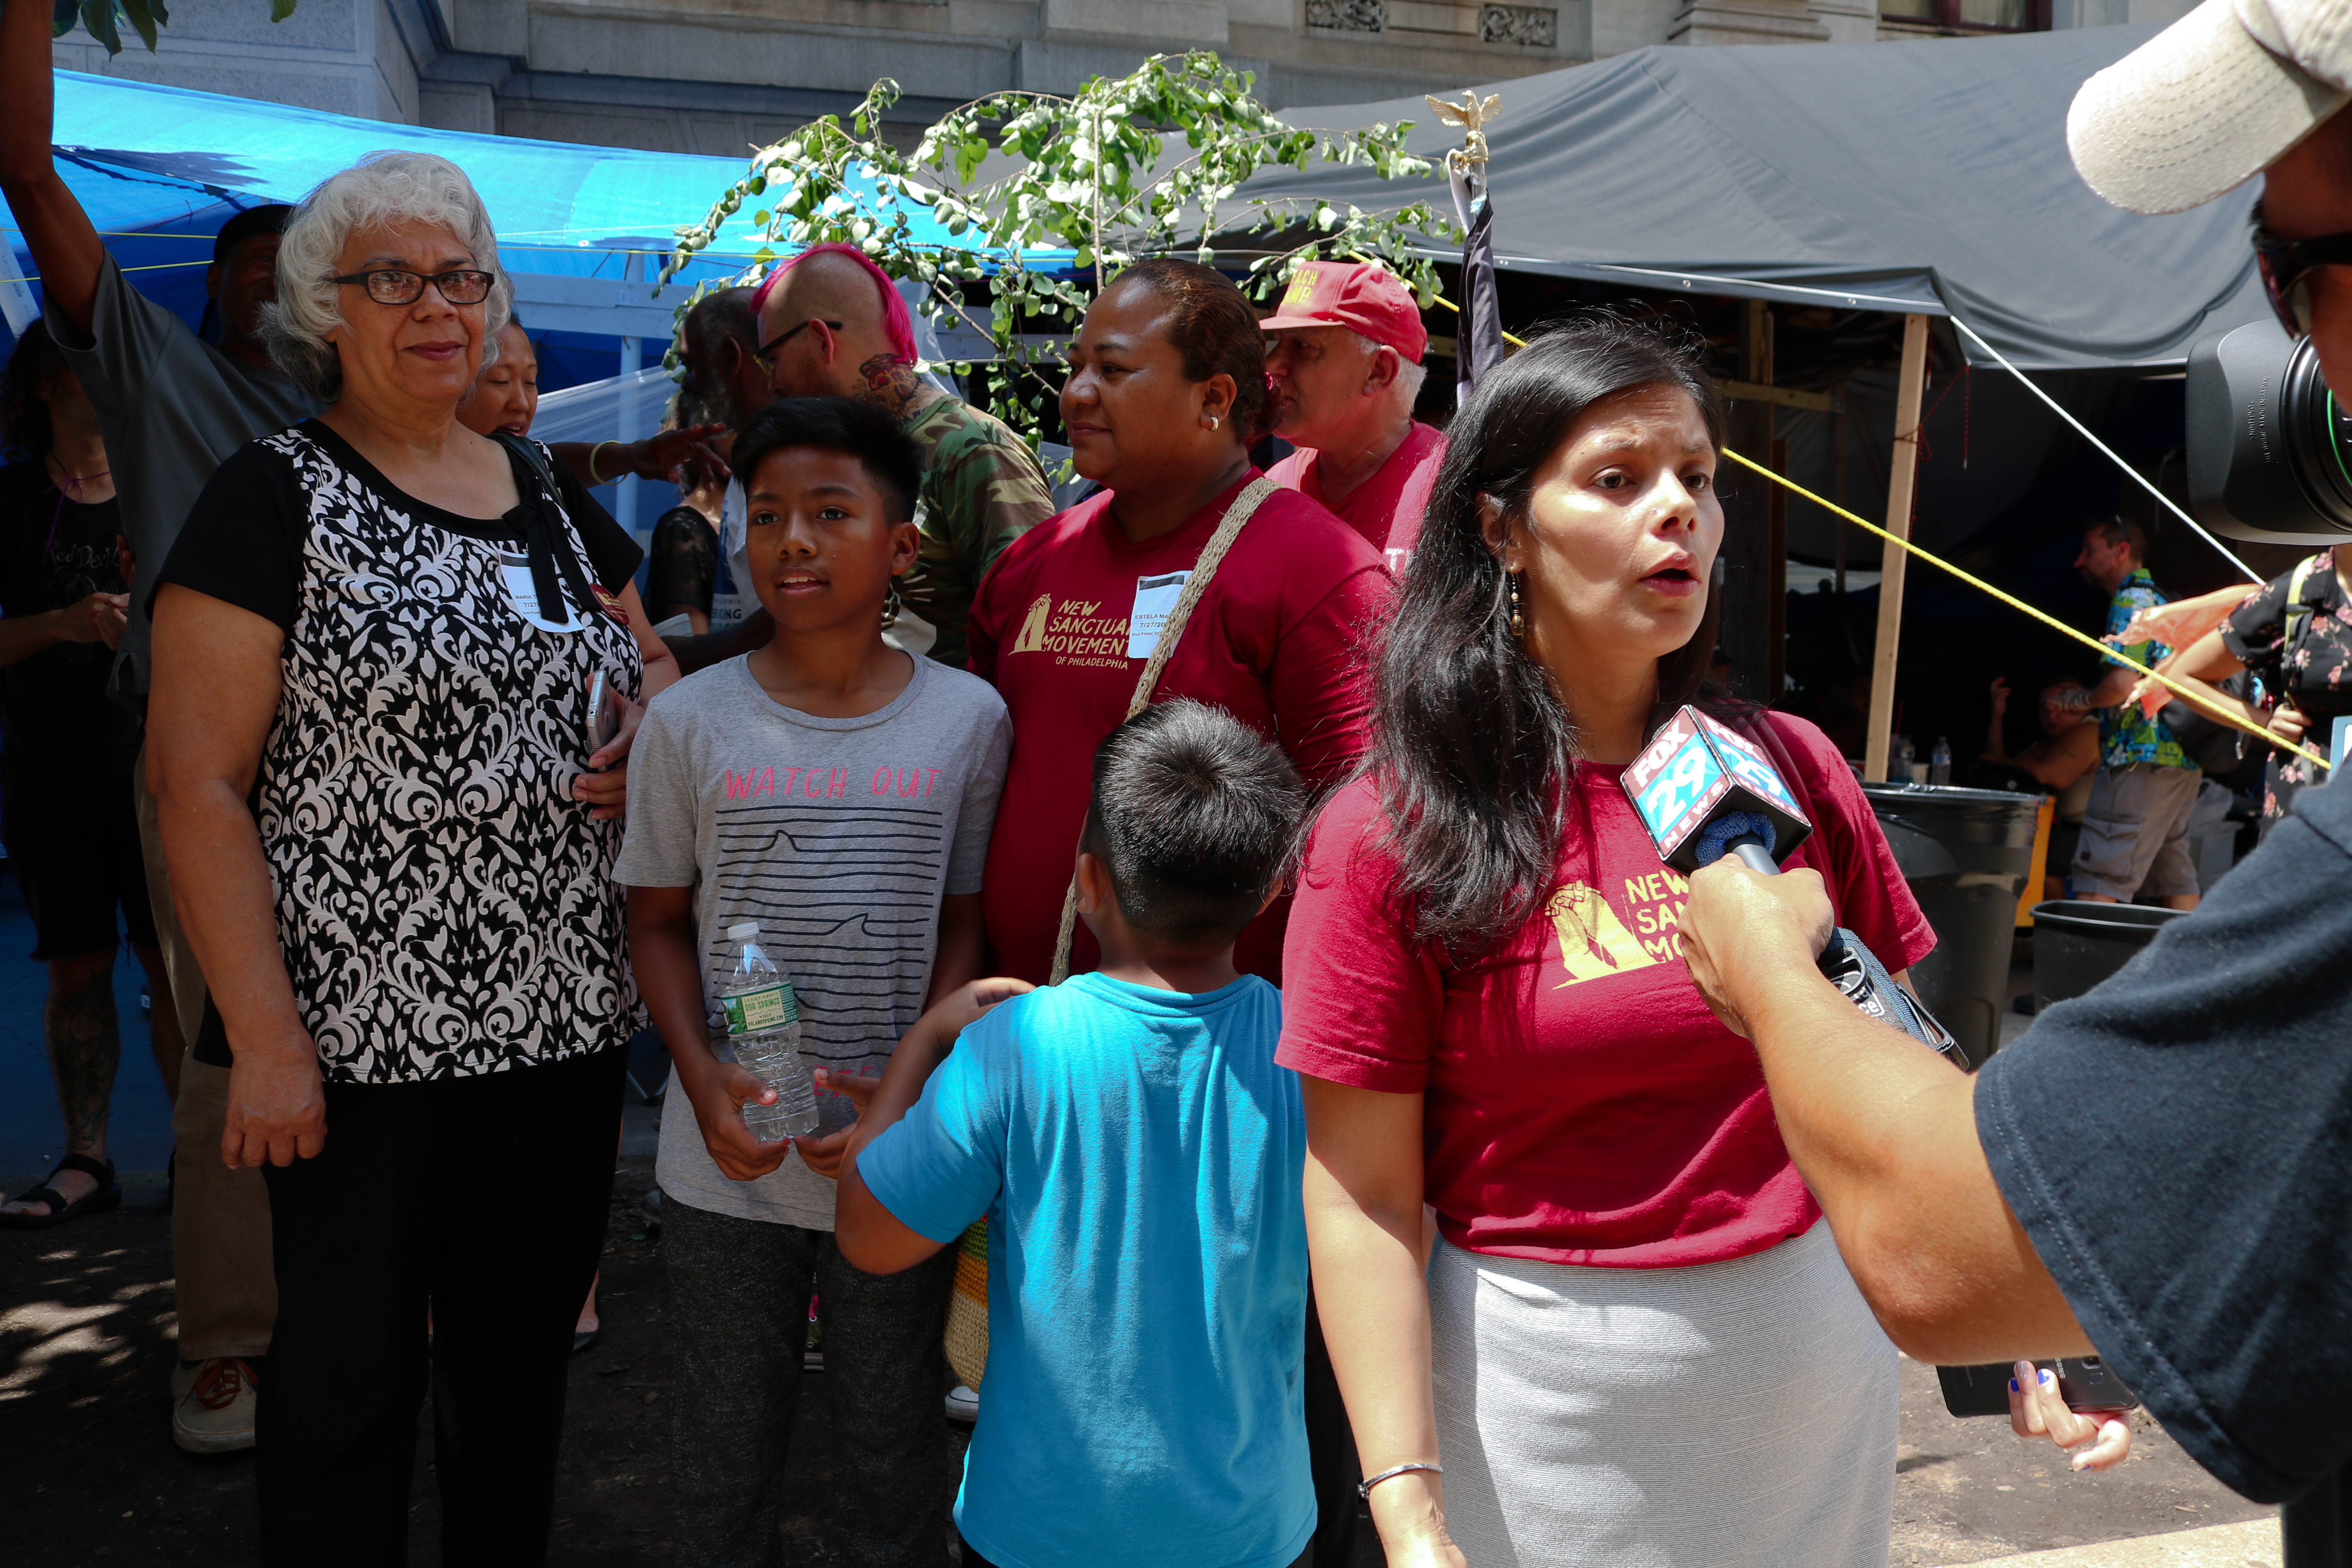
(1229,527)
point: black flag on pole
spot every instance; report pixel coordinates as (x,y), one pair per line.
(1480,346)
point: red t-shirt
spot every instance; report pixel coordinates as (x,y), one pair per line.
(1276,641)
(1387,507)
(1582,1104)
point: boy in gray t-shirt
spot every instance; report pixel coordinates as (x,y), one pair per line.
(839,793)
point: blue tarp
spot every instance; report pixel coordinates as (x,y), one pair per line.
(160,169)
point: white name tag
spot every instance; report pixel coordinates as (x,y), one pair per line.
(1155,601)
(515,569)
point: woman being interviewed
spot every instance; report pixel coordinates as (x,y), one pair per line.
(1636,1341)
(371,738)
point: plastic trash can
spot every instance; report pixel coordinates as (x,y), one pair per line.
(2078,944)
(1966,854)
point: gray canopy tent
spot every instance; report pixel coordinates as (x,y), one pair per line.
(1927,179)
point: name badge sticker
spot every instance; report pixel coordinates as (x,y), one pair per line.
(514,569)
(1155,601)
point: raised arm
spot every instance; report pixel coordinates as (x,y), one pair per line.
(1369,1241)
(870,1236)
(65,245)
(217,677)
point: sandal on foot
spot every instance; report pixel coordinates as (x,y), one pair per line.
(106,1196)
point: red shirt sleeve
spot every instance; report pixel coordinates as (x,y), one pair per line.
(982,628)
(1320,690)
(1850,852)
(1361,1003)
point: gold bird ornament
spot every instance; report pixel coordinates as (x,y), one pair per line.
(1471,115)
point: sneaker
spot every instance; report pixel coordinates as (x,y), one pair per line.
(963,1404)
(211,1405)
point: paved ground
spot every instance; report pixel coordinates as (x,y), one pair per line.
(86,1347)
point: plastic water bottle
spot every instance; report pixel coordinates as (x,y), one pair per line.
(763,1030)
(1906,753)
(1939,763)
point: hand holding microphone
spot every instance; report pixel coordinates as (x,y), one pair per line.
(1705,791)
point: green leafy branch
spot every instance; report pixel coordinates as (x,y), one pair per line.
(106,18)
(1129,167)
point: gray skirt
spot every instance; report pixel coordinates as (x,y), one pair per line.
(1709,1416)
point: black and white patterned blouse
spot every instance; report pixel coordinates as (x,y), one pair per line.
(447,908)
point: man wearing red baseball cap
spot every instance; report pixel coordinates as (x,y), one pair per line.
(1344,357)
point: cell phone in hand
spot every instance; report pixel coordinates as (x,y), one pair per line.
(2084,1382)
(604,712)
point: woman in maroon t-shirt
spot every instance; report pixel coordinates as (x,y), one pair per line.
(1166,392)
(1635,1342)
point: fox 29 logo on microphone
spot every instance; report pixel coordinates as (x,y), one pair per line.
(1695,770)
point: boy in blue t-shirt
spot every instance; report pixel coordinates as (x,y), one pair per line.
(1136,1154)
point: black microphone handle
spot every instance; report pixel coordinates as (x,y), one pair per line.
(1755,858)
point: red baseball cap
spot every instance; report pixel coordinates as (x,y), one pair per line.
(1363,299)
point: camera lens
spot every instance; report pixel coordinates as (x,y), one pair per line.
(2317,430)
(2270,448)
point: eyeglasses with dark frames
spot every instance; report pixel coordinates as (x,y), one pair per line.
(767,350)
(399,286)
(2286,264)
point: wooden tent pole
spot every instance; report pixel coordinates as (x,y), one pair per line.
(1903,472)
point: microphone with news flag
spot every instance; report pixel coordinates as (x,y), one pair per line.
(1704,790)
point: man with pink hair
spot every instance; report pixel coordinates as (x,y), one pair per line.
(831,323)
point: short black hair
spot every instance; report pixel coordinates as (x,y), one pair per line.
(1195,815)
(267,219)
(860,431)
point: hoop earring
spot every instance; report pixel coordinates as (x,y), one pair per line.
(1518,625)
(891,605)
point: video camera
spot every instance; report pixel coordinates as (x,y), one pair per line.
(2270,449)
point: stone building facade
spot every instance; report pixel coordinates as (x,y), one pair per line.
(717,76)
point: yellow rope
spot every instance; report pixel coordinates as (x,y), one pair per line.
(149,267)
(2194,699)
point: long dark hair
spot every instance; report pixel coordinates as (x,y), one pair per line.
(1211,324)
(23,412)
(1472,746)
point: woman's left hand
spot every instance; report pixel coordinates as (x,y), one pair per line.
(606,784)
(2037,1410)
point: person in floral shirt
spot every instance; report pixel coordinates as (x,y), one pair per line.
(2135,830)
(2295,634)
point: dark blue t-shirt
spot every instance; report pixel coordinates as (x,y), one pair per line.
(2179,1145)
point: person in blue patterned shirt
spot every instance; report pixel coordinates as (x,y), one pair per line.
(2135,830)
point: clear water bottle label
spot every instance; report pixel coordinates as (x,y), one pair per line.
(757,1012)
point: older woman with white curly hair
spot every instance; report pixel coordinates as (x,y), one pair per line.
(383,764)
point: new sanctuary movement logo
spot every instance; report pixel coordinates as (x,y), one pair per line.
(1074,631)
(1594,940)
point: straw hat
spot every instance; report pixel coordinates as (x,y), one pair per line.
(2201,107)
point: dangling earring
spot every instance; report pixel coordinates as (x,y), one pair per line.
(890,605)
(1518,625)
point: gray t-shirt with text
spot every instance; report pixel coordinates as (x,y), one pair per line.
(839,837)
(171,407)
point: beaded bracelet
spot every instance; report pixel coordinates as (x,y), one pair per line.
(1364,1487)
